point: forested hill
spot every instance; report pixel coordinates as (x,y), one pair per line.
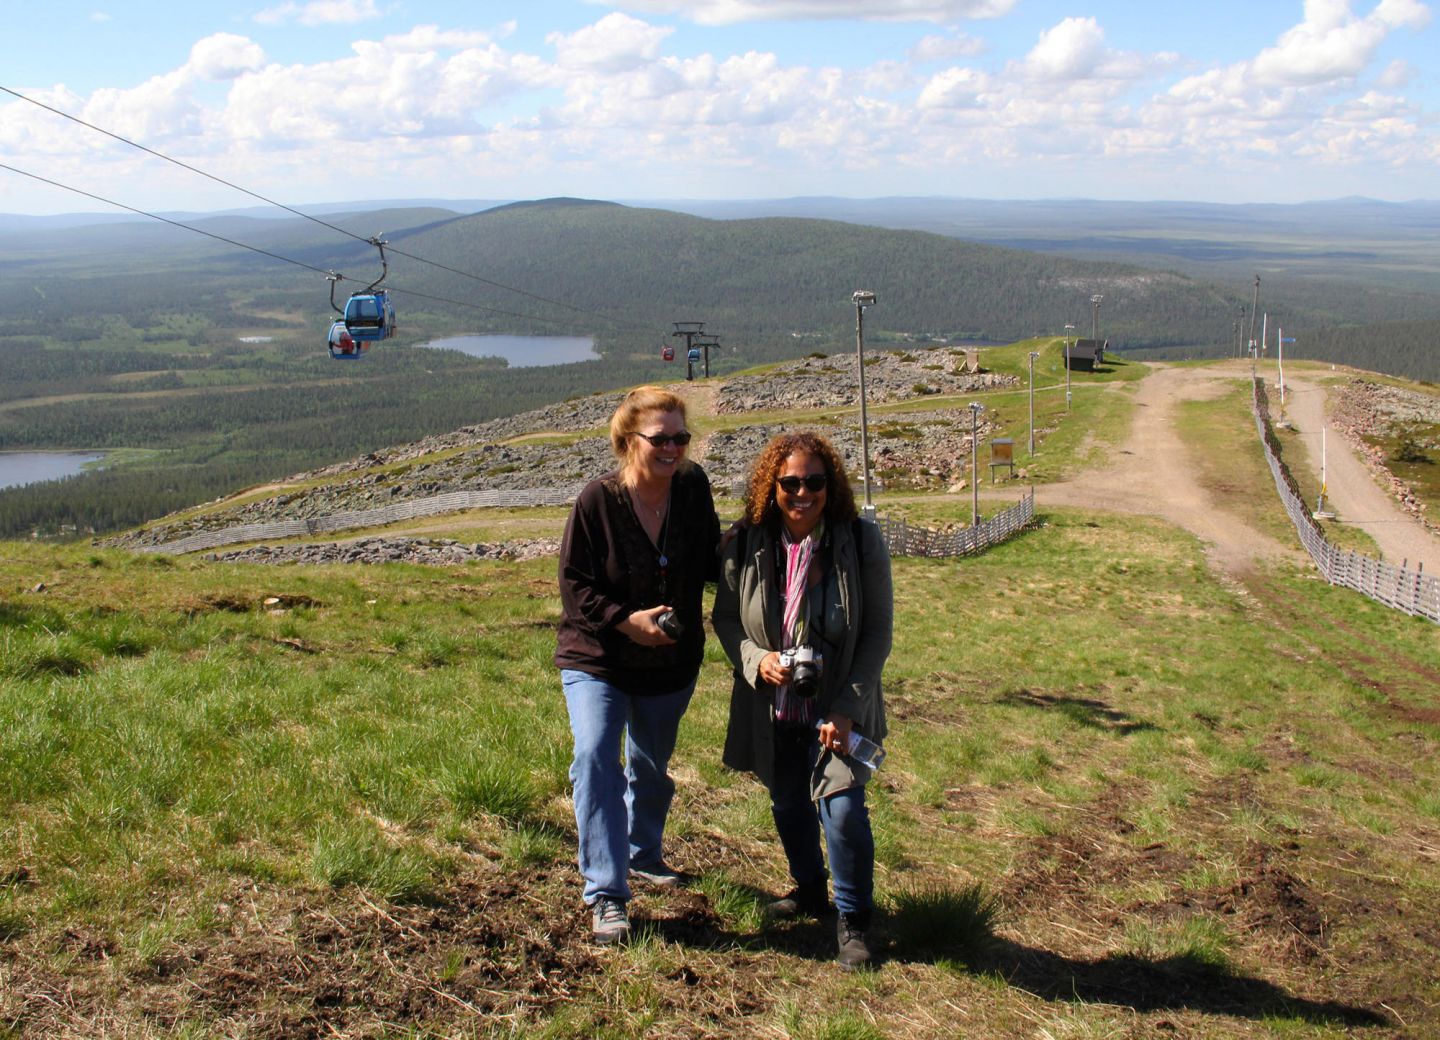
(773,287)
(763,281)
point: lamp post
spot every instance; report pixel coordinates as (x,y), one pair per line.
(863,298)
(1069,332)
(975,409)
(1033,356)
(1095,316)
(1254,306)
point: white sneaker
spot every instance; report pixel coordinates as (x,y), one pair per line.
(610,923)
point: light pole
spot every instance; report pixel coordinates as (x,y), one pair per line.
(1069,331)
(1095,316)
(975,409)
(1033,356)
(863,298)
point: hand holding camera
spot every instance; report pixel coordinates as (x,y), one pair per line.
(805,665)
(653,626)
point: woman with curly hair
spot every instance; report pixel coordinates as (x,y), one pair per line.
(807,575)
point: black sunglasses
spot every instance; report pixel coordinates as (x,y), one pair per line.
(659,440)
(814,483)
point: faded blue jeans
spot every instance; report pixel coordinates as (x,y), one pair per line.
(620,813)
(843,817)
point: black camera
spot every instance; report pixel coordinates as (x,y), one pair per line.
(670,623)
(805,665)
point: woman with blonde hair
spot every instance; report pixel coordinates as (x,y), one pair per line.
(638,548)
(804,611)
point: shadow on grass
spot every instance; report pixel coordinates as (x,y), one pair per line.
(1174,983)
(1084,711)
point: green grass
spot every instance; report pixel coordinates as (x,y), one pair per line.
(1088,729)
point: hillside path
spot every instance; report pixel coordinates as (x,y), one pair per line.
(1151,474)
(1352,493)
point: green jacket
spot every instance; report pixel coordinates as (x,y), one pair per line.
(747,622)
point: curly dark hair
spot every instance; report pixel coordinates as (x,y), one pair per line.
(760,494)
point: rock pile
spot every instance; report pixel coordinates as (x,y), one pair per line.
(921,449)
(1368,411)
(585,413)
(833,382)
(440,552)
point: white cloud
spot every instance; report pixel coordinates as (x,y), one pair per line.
(615,43)
(947,48)
(101,17)
(1070,50)
(225,56)
(1074,50)
(954,88)
(1397,74)
(729,12)
(606,110)
(320,12)
(1297,98)
(1331,43)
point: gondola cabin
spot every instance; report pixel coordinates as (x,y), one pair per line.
(370,316)
(667,353)
(344,346)
(694,355)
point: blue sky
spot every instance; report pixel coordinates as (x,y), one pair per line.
(329,100)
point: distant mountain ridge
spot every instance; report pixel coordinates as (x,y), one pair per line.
(778,286)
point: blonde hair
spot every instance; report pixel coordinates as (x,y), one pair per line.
(626,421)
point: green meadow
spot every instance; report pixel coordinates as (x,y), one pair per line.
(1125,797)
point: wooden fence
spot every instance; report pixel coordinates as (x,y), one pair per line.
(908,540)
(902,539)
(1398,587)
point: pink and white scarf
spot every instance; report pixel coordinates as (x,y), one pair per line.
(794,622)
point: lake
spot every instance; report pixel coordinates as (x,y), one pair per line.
(27,467)
(522,351)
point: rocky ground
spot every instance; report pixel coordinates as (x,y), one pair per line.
(832,382)
(440,552)
(920,449)
(1367,411)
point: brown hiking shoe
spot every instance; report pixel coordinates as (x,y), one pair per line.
(852,932)
(811,900)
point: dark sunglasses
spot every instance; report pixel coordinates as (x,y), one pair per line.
(659,440)
(814,483)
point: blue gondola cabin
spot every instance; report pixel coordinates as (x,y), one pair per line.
(370,316)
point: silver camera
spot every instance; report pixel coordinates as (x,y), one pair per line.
(805,664)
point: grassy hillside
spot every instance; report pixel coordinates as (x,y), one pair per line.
(1124,798)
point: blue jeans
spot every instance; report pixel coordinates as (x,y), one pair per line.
(849,842)
(620,813)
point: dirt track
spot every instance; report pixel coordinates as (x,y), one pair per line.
(1152,476)
(1352,494)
